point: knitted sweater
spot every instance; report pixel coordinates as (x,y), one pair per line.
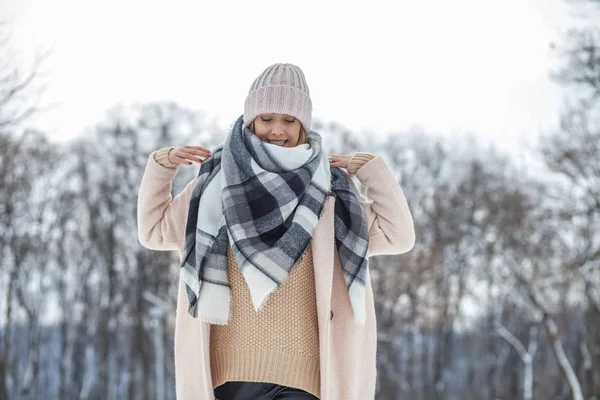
(280,343)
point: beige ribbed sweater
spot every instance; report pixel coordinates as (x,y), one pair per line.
(279,343)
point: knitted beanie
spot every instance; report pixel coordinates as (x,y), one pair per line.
(280,89)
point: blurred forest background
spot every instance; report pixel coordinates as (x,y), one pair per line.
(499,299)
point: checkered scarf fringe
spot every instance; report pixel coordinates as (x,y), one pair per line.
(265,201)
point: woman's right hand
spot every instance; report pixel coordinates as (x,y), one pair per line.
(186,155)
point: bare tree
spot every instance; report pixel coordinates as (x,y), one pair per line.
(20,87)
(571,153)
(19,239)
(526,355)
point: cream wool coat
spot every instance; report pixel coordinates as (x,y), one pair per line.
(347,349)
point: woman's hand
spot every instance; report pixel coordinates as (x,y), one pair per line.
(339,161)
(186,155)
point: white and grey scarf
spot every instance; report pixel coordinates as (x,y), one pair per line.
(266,201)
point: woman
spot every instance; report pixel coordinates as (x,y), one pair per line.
(275,299)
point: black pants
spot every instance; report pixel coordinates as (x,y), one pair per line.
(259,391)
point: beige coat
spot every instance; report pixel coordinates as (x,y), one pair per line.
(347,349)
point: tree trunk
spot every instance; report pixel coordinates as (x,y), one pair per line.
(563,361)
(29,385)
(6,342)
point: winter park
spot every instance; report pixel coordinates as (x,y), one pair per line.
(334,201)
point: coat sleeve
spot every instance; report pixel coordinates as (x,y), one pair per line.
(391,227)
(161,218)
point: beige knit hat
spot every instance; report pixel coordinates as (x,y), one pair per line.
(280,89)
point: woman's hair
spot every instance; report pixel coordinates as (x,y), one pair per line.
(302,138)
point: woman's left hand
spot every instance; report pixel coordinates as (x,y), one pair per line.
(339,161)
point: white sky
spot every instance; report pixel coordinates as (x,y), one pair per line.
(447,66)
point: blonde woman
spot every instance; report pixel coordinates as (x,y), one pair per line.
(275,299)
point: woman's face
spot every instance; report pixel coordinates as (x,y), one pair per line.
(278,129)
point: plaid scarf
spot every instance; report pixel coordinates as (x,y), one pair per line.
(265,200)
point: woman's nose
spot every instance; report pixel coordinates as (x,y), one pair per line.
(277,130)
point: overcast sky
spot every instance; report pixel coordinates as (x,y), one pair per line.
(446,66)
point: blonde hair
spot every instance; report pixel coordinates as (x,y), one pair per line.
(302,138)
